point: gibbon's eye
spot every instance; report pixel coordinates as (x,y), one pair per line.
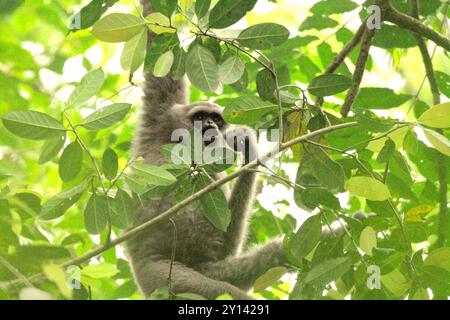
(218,120)
(198,116)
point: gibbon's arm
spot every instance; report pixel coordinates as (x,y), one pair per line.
(242,196)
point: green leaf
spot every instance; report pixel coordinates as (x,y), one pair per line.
(368,240)
(328,7)
(32,125)
(438,141)
(328,271)
(163,64)
(89,86)
(215,206)
(161,43)
(436,117)
(387,152)
(266,85)
(379,98)
(390,36)
(443,82)
(118,27)
(202,7)
(159,23)
(58,204)
(167,7)
(329,84)
(99,271)
(439,258)
(110,164)
(51,148)
(318,22)
(231,70)
(269,278)
(202,69)
(306,238)
(133,54)
(106,116)
(179,63)
(90,14)
(369,188)
(315,197)
(263,36)
(70,162)
(122,210)
(245,110)
(96,214)
(154,175)
(227,12)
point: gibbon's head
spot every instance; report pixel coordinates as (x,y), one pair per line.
(205,116)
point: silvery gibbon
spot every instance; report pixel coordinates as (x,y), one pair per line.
(208,261)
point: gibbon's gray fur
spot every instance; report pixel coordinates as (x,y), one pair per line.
(208,262)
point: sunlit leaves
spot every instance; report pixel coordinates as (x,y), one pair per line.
(110,164)
(379,98)
(159,23)
(439,258)
(246,110)
(438,141)
(133,54)
(118,27)
(368,240)
(328,7)
(264,36)
(436,117)
(306,238)
(161,43)
(231,70)
(318,22)
(56,274)
(163,64)
(154,175)
(96,214)
(329,84)
(202,69)
(269,278)
(33,125)
(70,162)
(106,116)
(99,271)
(57,205)
(227,12)
(369,188)
(89,86)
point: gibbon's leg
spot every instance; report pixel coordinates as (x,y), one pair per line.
(243,270)
(152,274)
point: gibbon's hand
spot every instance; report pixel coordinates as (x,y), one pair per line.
(243,140)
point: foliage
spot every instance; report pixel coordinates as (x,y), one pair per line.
(80,189)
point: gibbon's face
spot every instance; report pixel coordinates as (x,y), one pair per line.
(206,117)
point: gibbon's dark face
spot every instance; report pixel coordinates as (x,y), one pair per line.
(204,115)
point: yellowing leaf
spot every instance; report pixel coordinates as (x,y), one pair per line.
(368,240)
(56,274)
(159,23)
(99,271)
(437,117)
(133,54)
(369,188)
(270,277)
(438,141)
(439,258)
(416,214)
(398,136)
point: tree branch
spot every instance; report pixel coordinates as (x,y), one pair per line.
(359,72)
(390,14)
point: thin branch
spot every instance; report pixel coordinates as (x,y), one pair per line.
(171,212)
(359,72)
